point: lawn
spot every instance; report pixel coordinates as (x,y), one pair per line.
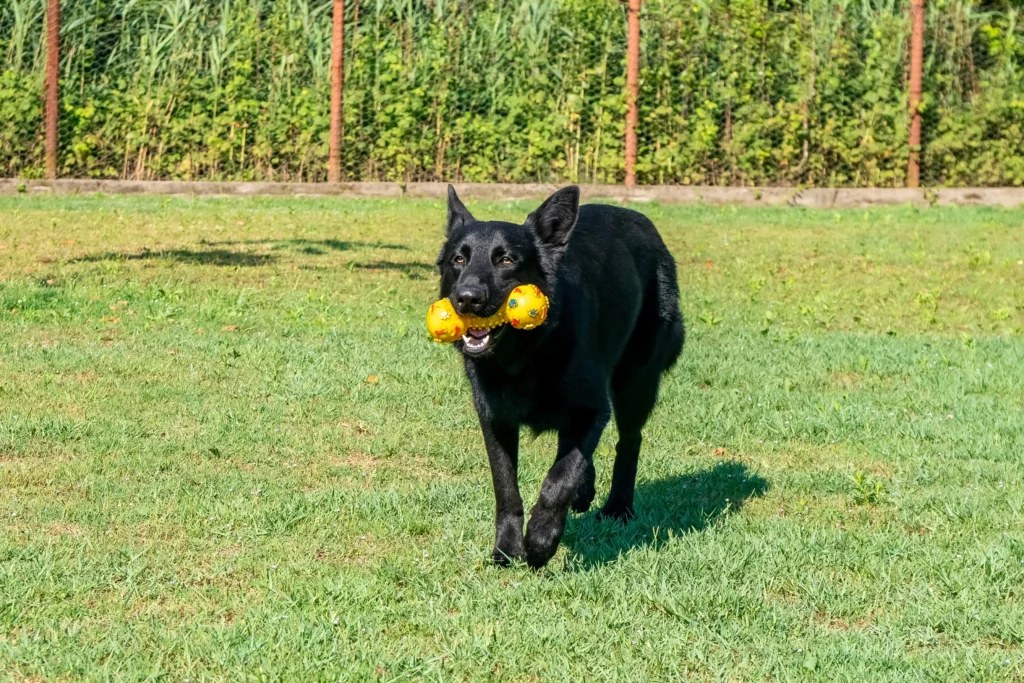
(228,451)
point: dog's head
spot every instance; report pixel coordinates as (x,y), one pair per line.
(482,261)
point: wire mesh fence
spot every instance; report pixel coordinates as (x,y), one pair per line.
(731,92)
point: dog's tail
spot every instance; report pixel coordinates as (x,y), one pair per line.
(668,311)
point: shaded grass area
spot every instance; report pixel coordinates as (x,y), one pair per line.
(227,450)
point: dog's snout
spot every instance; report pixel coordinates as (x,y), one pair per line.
(470,299)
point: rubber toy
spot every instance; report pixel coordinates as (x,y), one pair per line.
(526,308)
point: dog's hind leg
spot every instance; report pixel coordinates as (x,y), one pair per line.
(654,346)
(633,400)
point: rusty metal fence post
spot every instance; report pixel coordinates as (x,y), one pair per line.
(337,86)
(632,88)
(916,66)
(52,86)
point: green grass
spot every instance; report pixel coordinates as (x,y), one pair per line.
(831,488)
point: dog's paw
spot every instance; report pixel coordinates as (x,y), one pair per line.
(508,549)
(539,551)
(584,497)
(543,534)
(616,511)
(585,491)
(505,558)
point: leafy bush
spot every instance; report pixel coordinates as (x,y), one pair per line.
(733,92)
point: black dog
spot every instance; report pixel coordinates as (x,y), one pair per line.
(613,328)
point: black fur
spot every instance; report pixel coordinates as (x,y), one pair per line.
(614,327)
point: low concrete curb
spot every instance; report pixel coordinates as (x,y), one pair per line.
(818,198)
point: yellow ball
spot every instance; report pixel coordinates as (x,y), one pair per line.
(443,323)
(527,307)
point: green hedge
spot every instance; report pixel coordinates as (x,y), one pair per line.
(733,92)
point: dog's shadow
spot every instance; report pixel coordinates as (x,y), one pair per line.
(673,506)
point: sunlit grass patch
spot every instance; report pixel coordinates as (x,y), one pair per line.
(227,450)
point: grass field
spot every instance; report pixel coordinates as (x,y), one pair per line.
(227,451)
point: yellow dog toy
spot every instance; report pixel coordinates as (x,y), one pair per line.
(526,308)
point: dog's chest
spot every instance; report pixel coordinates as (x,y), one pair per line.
(542,409)
(535,399)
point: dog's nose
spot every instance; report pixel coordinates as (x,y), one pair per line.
(470,299)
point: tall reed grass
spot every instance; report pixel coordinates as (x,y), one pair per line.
(806,92)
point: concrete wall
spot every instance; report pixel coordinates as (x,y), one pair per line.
(819,198)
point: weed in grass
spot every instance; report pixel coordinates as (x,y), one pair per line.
(865,491)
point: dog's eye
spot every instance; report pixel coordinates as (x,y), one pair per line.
(460,259)
(506,260)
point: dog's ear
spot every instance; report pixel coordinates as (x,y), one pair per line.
(553,221)
(458,214)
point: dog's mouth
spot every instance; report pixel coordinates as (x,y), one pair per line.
(476,341)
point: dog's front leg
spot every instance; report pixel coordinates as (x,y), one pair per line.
(502,442)
(560,487)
